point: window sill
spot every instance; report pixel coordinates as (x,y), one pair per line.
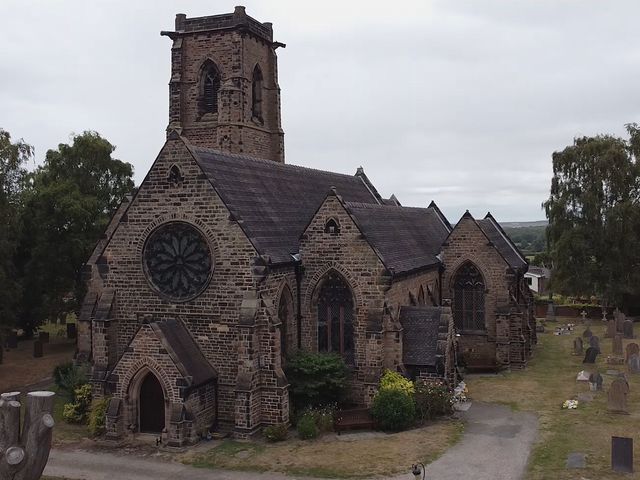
(474,332)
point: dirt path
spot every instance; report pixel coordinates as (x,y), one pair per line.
(495,446)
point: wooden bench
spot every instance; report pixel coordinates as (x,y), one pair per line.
(353,419)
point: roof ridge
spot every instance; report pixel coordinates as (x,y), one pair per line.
(266,161)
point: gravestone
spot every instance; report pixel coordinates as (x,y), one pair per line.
(617,344)
(539,328)
(37,349)
(632,348)
(577,346)
(627,329)
(590,355)
(12,340)
(622,454)
(595,381)
(583,314)
(551,313)
(587,333)
(620,319)
(634,363)
(594,342)
(611,329)
(576,460)
(72,331)
(583,376)
(617,397)
(43,337)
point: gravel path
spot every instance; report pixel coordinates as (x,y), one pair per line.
(495,446)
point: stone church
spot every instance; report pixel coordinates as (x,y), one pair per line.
(227,259)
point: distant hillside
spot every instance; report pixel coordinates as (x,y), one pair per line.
(537,223)
(528,236)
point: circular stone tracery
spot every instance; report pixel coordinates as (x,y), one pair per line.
(177,260)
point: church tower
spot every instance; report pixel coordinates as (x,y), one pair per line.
(224,91)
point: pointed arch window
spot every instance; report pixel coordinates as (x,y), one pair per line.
(256,95)
(286,315)
(468,298)
(209,88)
(336,318)
(421,297)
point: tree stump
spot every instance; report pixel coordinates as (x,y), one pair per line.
(23,456)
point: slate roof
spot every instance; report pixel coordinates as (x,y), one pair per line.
(274,202)
(406,238)
(420,334)
(502,242)
(184,351)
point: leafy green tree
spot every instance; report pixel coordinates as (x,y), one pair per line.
(594,217)
(72,197)
(13,157)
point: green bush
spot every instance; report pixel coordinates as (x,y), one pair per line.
(307,428)
(393,409)
(433,399)
(97,415)
(316,379)
(77,411)
(276,433)
(396,381)
(68,377)
(322,416)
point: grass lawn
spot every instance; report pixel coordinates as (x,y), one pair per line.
(549,380)
(329,457)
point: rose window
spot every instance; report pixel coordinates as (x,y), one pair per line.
(177,260)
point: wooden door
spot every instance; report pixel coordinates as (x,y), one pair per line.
(151,406)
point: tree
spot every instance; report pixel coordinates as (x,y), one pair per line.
(13,156)
(594,217)
(72,197)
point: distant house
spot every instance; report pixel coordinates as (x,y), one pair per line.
(537,278)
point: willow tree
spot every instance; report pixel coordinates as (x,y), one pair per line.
(594,217)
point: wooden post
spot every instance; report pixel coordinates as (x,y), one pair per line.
(23,455)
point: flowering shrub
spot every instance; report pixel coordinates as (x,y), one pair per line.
(395,381)
(570,404)
(433,398)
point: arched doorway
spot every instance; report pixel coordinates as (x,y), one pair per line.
(151,405)
(336,318)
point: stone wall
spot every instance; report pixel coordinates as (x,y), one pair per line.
(349,254)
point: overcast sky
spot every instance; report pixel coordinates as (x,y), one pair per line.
(462,102)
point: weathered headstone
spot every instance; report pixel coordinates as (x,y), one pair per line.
(634,363)
(583,376)
(587,333)
(594,342)
(595,381)
(611,329)
(622,454)
(590,355)
(577,346)
(551,313)
(632,348)
(43,337)
(627,329)
(72,331)
(583,314)
(617,397)
(12,340)
(37,349)
(617,344)
(620,319)
(576,460)
(539,328)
